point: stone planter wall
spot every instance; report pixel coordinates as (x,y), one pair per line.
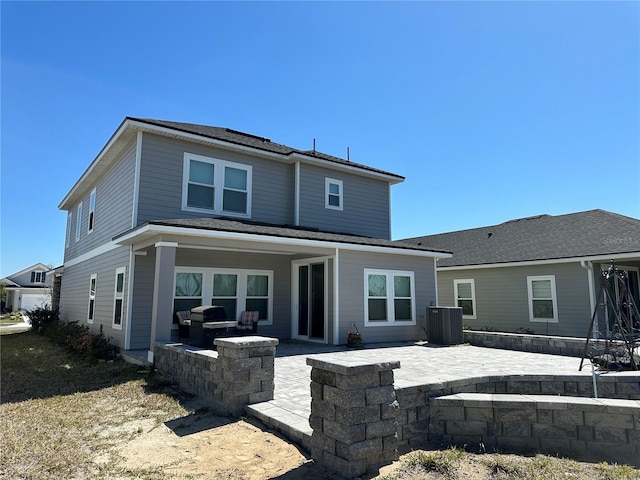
(569,346)
(238,374)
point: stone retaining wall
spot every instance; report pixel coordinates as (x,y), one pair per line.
(600,429)
(414,414)
(569,346)
(239,373)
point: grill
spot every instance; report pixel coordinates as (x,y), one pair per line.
(199,336)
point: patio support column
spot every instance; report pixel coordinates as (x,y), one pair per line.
(353,414)
(162,309)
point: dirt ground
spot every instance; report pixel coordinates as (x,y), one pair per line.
(205,446)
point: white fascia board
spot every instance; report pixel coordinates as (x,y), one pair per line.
(596,258)
(250,237)
(35,266)
(392,179)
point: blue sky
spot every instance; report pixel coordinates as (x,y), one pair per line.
(491,110)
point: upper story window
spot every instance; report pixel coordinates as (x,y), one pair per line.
(542,298)
(69,225)
(465,292)
(389,297)
(78,221)
(38,277)
(333,194)
(217,186)
(92,209)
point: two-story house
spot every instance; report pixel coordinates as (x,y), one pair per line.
(171,215)
(28,289)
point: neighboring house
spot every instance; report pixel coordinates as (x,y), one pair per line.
(171,215)
(28,289)
(540,274)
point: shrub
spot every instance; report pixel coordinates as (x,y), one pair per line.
(78,339)
(41,317)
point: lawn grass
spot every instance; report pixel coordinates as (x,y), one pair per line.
(62,417)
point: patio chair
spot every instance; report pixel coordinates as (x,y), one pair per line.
(248,324)
(184,323)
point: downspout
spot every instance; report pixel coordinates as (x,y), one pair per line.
(296,202)
(336,298)
(435,278)
(588,266)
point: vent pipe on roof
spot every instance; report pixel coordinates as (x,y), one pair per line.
(347,154)
(314,145)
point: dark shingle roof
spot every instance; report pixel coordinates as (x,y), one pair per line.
(254,141)
(543,237)
(287,231)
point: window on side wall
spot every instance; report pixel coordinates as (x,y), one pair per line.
(389,298)
(543,305)
(92,210)
(93,282)
(69,226)
(118,301)
(78,221)
(217,186)
(333,194)
(465,297)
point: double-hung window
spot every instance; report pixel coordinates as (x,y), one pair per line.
(465,292)
(93,282)
(389,297)
(543,305)
(78,221)
(333,198)
(211,185)
(92,209)
(118,300)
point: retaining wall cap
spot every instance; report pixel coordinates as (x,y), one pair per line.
(344,365)
(551,402)
(244,342)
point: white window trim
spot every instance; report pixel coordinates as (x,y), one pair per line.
(554,298)
(241,293)
(218,184)
(90,319)
(327,183)
(473,295)
(123,271)
(91,222)
(389,274)
(78,221)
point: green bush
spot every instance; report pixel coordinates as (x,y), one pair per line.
(78,339)
(41,317)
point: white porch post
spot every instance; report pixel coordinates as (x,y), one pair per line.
(161,313)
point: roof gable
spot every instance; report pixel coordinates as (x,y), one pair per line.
(543,237)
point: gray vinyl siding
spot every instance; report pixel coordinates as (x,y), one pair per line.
(502,298)
(365,203)
(160,195)
(74,298)
(113,210)
(352,295)
(143,278)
